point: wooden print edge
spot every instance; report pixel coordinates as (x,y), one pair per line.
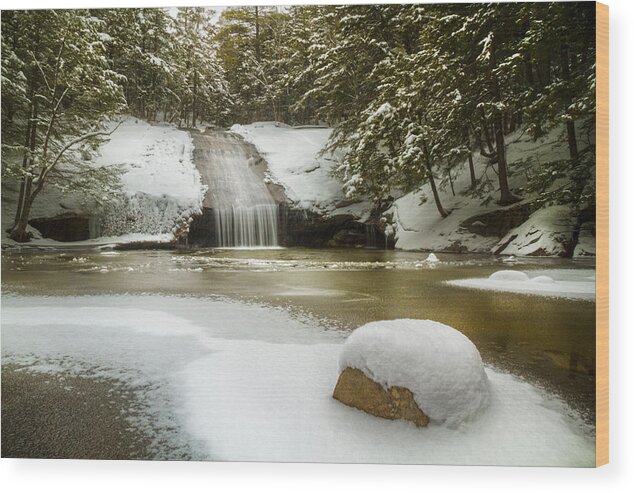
(602,235)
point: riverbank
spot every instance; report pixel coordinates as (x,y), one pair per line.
(225,380)
(66,416)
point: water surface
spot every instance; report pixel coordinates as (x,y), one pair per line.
(548,341)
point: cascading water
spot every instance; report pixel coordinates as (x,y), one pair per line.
(246,226)
(245,214)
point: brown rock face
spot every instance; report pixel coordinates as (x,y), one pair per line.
(356,390)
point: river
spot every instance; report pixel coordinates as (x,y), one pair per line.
(547,341)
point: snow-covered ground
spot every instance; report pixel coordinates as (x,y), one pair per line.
(231,381)
(294,160)
(560,283)
(418,226)
(160,184)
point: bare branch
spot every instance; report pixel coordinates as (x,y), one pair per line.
(39,66)
(39,181)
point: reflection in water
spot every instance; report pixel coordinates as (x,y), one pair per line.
(550,341)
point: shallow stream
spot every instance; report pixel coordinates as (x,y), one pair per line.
(548,341)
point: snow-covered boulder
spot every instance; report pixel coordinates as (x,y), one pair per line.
(547,232)
(586,244)
(509,275)
(438,366)
(356,390)
(432,259)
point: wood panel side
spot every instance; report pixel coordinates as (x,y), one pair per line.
(602,235)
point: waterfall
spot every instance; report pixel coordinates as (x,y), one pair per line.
(245,214)
(246,226)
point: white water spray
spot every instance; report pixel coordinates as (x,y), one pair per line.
(245,213)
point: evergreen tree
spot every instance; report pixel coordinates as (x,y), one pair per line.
(199,79)
(62,93)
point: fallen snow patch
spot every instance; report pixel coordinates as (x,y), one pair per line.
(236,382)
(509,275)
(438,364)
(295,161)
(561,283)
(162,187)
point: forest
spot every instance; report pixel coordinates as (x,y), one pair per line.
(290,234)
(410,91)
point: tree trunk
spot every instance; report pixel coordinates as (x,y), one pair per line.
(434,191)
(472,171)
(572,142)
(570,124)
(487,137)
(257,34)
(19,232)
(506,197)
(432,182)
(453,191)
(195,100)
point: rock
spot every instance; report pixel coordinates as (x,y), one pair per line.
(64,227)
(440,368)
(498,222)
(509,275)
(348,237)
(357,390)
(432,259)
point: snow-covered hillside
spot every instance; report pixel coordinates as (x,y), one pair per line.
(294,158)
(160,184)
(295,162)
(548,231)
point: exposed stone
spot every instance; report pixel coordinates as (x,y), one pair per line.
(355,389)
(499,221)
(65,227)
(348,237)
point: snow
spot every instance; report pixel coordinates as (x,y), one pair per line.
(160,183)
(294,160)
(439,365)
(432,259)
(509,275)
(418,226)
(224,380)
(101,242)
(586,245)
(547,232)
(162,186)
(561,283)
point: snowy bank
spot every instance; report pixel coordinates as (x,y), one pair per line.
(479,225)
(438,364)
(294,158)
(561,283)
(231,381)
(547,232)
(160,184)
